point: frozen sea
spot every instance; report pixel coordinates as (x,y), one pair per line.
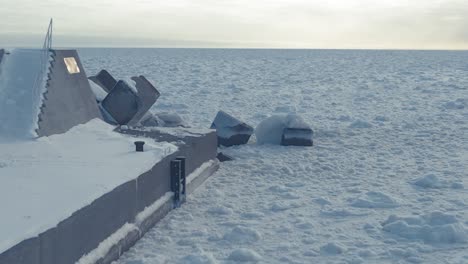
(385,182)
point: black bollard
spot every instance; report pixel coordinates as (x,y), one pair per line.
(139,146)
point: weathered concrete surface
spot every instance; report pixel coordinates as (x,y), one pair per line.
(122,103)
(26,252)
(69,100)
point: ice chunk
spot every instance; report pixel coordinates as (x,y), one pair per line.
(332,249)
(375,200)
(230,130)
(242,235)
(436,227)
(150,120)
(98,91)
(170,119)
(245,255)
(429,181)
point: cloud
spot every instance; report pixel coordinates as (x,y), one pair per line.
(245,23)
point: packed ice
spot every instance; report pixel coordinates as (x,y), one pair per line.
(383,183)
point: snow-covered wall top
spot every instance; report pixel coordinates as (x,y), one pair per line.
(23,73)
(50,178)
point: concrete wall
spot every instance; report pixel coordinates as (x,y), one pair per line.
(87,227)
(69,100)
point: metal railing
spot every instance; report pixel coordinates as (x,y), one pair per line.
(48,39)
(43,66)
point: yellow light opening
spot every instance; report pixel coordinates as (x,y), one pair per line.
(72,66)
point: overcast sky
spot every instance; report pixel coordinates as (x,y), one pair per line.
(389,24)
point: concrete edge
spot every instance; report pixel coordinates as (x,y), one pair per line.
(123,239)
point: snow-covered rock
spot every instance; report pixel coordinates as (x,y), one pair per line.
(150,120)
(242,235)
(230,130)
(170,119)
(286,130)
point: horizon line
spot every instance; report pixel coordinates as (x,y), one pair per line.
(242,48)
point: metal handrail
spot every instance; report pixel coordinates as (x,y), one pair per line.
(44,59)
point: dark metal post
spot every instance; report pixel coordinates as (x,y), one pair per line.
(139,146)
(183,179)
(175,180)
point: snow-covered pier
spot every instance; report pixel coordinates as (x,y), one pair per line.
(72,187)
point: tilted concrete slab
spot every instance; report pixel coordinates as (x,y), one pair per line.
(230,130)
(148,95)
(68,100)
(105,80)
(122,103)
(2,51)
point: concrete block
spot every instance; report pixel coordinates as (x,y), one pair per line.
(86,228)
(230,130)
(223,157)
(147,93)
(2,52)
(26,252)
(70,101)
(122,103)
(198,150)
(105,80)
(297,137)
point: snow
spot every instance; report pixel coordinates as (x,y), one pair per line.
(132,84)
(245,255)
(435,227)
(192,176)
(23,74)
(381,119)
(98,91)
(105,246)
(170,119)
(51,177)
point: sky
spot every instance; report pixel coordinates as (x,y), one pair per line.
(310,24)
